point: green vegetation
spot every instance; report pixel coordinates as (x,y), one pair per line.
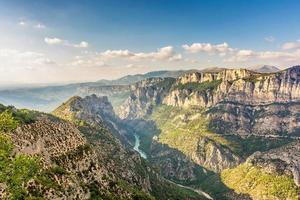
(136,194)
(166,83)
(165,190)
(189,125)
(10,118)
(7,122)
(200,87)
(252,78)
(182,129)
(63,111)
(244,147)
(16,170)
(118,99)
(259,184)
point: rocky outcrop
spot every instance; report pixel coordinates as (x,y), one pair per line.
(144,96)
(263,120)
(91,108)
(283,160)
(243,102)
(90,157)
(207,89)
(213,156)
(49,138)
(125,164)
(239,86)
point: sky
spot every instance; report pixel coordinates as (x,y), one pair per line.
(62,41)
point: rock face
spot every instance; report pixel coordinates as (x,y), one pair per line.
(229,85)
(91,108)
(45,137)
(240,100)
(214,157)
(261,120)
(237,103)
(284,160)
(94,110)
(89,161)
(239,86)
(145,95)
(86,158)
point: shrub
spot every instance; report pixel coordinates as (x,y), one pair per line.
(200,87)
(7,121)
(259,184)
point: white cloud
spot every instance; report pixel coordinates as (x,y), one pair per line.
(40,26)
(82,44)
(23,59)
(22,23)
(31,24)
(270,39)
(58,41)
(54,41)
(163,54)
(290,45)
(248,55)
(221,49)
(117,53)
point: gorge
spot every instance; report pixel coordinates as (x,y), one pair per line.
(201,135)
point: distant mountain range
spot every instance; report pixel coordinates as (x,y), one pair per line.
(266,69)
(230,134)
(47,98)
(129,79)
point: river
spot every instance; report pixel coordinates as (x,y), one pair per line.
(144,155)
(137,146)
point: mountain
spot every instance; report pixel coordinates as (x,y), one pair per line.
(218,119)
(211,134)
(131,79)
(266,69)
(75,156)
(47,98)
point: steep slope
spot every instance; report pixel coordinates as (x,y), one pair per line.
(238,86)
(217,119)
(273,174)
(237,99)
(75,159)
(283,160)
(146,94)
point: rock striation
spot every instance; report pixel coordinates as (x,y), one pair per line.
(238,86)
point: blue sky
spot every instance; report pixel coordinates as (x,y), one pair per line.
(86,40)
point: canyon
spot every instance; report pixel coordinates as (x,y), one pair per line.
(194,134)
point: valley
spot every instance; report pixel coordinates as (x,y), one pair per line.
(149,100)
(201,135)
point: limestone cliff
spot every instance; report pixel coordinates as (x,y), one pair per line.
(244,110)
(145,94)
(239,86)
